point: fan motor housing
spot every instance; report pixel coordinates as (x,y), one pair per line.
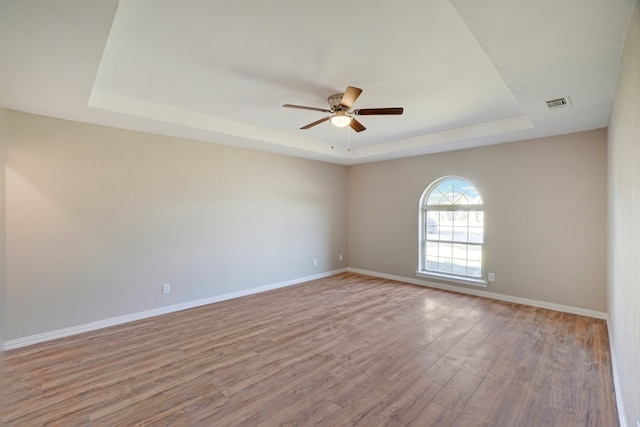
(334,102)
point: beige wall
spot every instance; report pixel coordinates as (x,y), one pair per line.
(624,224)
(3,127)
(545,214)
(99,218)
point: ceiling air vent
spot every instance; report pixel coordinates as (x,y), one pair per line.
(552,104)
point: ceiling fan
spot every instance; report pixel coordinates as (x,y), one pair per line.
(341,114)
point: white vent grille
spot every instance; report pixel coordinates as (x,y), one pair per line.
(558,103)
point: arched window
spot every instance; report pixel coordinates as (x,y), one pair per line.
(452,231)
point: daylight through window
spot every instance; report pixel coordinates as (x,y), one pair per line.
(452,229)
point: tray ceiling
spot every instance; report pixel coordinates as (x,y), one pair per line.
(467,74)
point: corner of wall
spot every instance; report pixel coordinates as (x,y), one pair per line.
(3,138)
(623,272)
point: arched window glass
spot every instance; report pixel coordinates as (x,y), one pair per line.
(452,230)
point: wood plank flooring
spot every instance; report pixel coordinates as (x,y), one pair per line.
(342,351)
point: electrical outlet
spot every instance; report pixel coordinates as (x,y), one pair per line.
(166,288)
(340,257)
(315,261)
(492,277)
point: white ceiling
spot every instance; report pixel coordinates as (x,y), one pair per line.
(467,72)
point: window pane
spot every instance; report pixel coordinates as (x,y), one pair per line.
(460,235)
(453,232)
(444,249)
(474,253)
(446,217)
(432,263)
(432,249)
(459,267)
(476,218)
(460,227)
(444,264)
(474,268)
(435,197)
(445,225)
(472,195)
(460,218)
(432,224)
(454,191)
(476,234)
(459,251)
(446,233)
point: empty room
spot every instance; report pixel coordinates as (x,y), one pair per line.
(342,213)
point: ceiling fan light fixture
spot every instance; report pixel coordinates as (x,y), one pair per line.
(340,111)
(340,119)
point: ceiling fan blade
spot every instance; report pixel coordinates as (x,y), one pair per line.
(302,107)
(356,125)
(350,96)
(378,111)
(317,122)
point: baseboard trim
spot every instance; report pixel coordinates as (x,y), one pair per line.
(100,324)
(616,378)
(482,293)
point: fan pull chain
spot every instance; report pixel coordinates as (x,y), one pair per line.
(348,140)
(333,138)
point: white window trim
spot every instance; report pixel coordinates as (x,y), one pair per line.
(452,278)
(455,279)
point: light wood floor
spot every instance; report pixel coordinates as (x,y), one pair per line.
(347,350)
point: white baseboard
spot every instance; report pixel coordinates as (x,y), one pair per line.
(60,333)
(482,293)
(616,378)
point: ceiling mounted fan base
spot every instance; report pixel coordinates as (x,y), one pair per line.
(334,102)
(340,106)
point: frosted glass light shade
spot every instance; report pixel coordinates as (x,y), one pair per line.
(340,119)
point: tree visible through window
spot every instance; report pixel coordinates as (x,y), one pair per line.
(452,229)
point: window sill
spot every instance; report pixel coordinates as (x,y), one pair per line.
(453,279)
